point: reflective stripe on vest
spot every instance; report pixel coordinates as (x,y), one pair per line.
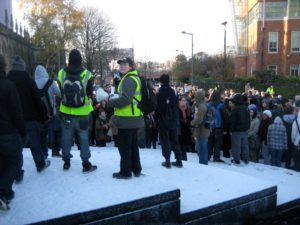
(130,110)
(87,107)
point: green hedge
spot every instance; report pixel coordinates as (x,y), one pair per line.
(284,85)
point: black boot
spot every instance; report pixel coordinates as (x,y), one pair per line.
(119,175)
(45,166)
(19,177)
(178,163)
(67,165)
(3,204)
(88,167)
(166,163)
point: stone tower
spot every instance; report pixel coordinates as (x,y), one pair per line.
(6,12)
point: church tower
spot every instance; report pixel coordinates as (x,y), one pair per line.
(6,12)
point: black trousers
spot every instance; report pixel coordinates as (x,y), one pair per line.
(215,140)
(169,141)
(129,151)
(10,160)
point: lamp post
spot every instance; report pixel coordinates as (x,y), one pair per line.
(181,52)
(192,75)
(224,69)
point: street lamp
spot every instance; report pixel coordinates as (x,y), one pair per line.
(181,52)
(192,75)
(224,24)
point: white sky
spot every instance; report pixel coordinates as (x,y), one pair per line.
(58,192)
(154,27)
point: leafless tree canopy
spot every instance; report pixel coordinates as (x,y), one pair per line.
(96,40)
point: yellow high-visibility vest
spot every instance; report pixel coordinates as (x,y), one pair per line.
(130,110)
(80,111)
(270,90)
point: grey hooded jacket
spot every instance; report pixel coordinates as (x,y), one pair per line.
(41,77)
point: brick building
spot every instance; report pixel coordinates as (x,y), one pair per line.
(267,35)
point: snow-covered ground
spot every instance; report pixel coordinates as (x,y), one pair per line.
(54,192)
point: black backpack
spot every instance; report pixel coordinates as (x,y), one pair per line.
(148,102)
(73,89)
(44,96)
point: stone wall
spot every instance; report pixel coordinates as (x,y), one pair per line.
(13,44)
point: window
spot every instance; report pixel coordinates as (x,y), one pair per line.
(273,41)
(295,41)
(294,8)
(273,68)
(294,70)
(275,10)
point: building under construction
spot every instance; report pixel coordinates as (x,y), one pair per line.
(267,36)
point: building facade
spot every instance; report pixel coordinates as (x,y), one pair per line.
(12,43)
(267,35)
(14,39)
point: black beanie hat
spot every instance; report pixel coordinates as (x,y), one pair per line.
(75,58)
(17,63)
(215,96)
(164,79)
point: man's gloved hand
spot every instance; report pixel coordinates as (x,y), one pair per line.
(113,96)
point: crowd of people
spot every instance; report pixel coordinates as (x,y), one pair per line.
(77,108)
(257,126)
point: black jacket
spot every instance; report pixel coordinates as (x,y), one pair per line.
(29,95)
(11,118)
(167,115)
(240,116)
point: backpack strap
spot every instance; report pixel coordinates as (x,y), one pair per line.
(298,129)
(63,76)
(297,126)
(86,79)
(136,79)
(84,82)
(47,85)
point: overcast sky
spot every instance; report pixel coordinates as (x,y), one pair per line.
(154,27)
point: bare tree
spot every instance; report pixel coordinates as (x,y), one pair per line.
(96,40)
